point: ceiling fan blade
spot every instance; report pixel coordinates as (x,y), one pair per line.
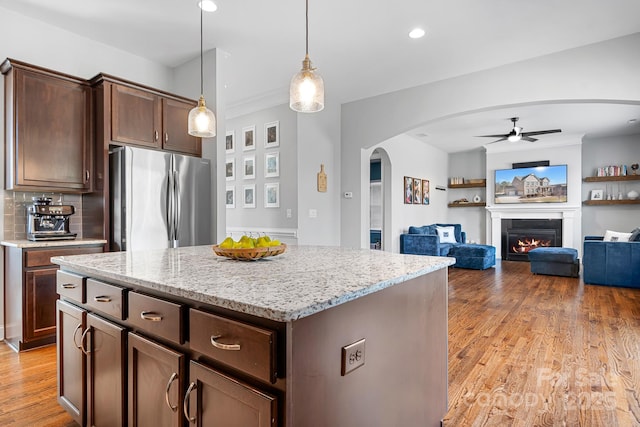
(541,132)
(528,138)
(502,135)
(498,140)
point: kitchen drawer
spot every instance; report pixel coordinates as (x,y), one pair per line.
(242,346)
(106,298)
(156,316)
(70,285)
(40,258)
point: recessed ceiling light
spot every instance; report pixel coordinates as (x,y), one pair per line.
(416,33)
(208,5)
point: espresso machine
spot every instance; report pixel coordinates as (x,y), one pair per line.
(48,222)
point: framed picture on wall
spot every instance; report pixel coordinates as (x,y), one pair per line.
(272,164)
(230,169)
(249,196)
(272,134)
(425,191)
(249,138)
(249,167)
(230,141)
(597,194)
(408,190)
(230,197)
(417,191)
(272,195)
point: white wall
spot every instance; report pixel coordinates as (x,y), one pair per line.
(410,157)
(602,71)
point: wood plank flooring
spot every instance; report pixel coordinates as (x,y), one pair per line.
(524,350)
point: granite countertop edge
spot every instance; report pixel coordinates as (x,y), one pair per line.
(256,307)
(24,243)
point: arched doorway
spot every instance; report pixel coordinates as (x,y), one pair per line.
(379,194)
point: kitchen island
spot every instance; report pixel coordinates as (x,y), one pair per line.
(317,336)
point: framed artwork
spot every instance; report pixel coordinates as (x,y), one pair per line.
(230,169)
(230,141)
(272,165)
(249,167)
(272,134)
(249,196)
(230,197)
(408,190)
(249,138)
(425,191)
(272,195)
(417,191)
(597,194)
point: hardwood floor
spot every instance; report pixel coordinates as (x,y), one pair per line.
(533,350)
(524,350)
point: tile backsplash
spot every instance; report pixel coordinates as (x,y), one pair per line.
(15,212)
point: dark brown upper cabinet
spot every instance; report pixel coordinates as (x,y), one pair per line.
(48,130)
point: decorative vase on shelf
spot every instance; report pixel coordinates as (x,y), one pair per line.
(476,199)
(633,194)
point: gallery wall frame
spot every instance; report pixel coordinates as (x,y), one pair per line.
(230,142)
(230,197)
(415,191)
(272,195)
(272,134)
(249,167)
(272,164)
(249,138)
(249,196)
(230,169)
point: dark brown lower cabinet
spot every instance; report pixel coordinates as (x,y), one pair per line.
(72,372)
(156,383)
(214,398)
(106,400)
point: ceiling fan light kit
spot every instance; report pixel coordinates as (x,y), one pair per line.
(516,134)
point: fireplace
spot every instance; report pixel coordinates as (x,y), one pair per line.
(519,236)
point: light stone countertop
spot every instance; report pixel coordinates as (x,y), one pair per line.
(51,243)
(302,281)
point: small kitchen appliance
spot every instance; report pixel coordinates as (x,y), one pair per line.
(48,222)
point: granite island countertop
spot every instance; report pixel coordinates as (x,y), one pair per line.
(30,244)
(302,281)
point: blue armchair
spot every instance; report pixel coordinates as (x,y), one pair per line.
(425,240)
(611,263)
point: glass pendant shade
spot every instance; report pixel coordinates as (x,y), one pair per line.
(202,122)
(306,92)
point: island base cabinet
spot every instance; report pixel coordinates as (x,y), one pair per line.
(215,399)
(156,384)
(71,360)
(106,343)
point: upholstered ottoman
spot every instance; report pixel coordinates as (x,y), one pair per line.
(476,257)
(555,261)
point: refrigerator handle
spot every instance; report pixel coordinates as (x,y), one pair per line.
(170,206)
(176,211)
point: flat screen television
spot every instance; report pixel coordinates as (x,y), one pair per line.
(541,184)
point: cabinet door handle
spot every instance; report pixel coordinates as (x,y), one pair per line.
(166,137)
(155,134)
(83,340)
(185,405)
(86,175)
(173,408)
(75,332)
(69,286)
(102,298)
(150,315)
(220,346)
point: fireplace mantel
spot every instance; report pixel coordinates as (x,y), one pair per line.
(570,215)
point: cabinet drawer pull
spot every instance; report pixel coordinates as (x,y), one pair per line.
(150,315)
(185,406)
(75,332)
(69,286)
(220,346)
(173,408)
(102,298)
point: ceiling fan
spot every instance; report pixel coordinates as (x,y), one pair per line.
(516,134)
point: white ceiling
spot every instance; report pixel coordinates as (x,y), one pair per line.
(361,48)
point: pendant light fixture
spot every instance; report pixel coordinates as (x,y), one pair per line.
(202,122)
(306,92)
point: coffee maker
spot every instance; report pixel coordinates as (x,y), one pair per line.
(48,222)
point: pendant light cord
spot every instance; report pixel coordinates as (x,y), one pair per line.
(201,48)
(307,27)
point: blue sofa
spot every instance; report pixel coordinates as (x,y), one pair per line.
(611,263)
(425,241)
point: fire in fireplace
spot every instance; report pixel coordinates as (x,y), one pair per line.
(521,236)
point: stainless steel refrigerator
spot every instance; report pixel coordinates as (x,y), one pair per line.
(159,199)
